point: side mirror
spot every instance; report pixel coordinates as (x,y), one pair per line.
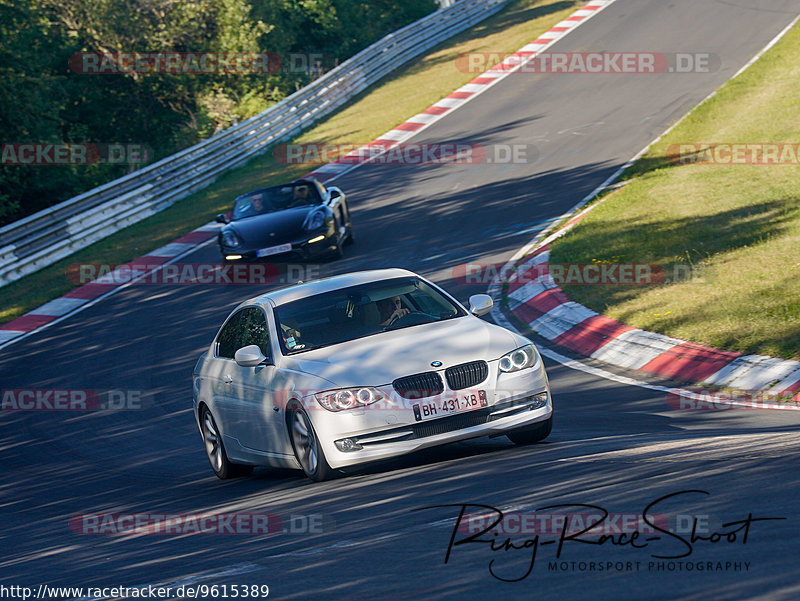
(334,193)
(249,356)
(480,304)
(221,218)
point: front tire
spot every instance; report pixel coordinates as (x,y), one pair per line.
(338,252)
(307,449)
(212,439)
(531,434)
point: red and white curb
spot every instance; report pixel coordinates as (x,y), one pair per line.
(86,295)
(546,310)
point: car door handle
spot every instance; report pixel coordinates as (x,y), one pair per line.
(227,379)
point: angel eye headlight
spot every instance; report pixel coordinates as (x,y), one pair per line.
(518,359)
(348,398)
(365,396)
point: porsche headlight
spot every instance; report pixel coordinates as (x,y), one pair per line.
(315,220)
(349,398)
(518,359)
(230,239)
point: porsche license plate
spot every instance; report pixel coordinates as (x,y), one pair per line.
(274,250)
(464,401)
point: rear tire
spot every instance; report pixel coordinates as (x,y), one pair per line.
(350,238)
(212,439)
(307,449)
(531,434)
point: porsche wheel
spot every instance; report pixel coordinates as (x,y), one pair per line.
(338,251)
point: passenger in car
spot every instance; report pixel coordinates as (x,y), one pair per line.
(303,195)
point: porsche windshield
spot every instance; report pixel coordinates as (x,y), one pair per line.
(350,313)
(278,198)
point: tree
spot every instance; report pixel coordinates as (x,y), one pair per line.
(45,99)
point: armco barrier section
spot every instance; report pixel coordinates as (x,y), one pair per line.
(45,237)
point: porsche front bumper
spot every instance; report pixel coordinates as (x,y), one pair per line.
(308,247)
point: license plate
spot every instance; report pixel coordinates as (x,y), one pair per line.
(274,250)
(466,401)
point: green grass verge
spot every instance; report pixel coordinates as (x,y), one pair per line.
(400,95)
(737,226)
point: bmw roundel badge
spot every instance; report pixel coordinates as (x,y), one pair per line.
(436,364)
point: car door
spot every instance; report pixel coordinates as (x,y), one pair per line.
(258,390)
(221,373)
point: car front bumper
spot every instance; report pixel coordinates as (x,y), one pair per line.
(391,430)
(302,249)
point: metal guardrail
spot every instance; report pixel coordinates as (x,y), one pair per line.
(45,237)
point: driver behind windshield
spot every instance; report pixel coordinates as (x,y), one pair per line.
(346,314)
(257,204)
(393,307)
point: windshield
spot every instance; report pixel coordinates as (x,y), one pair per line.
(360,311)
(278,198)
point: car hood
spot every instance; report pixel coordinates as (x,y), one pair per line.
(379,359)
(271,229)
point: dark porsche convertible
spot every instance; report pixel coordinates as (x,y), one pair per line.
(301,219)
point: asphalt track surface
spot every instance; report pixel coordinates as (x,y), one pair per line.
(615,446)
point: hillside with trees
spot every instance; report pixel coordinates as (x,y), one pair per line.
(48,96)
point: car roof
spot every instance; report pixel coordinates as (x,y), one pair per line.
(298,291)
